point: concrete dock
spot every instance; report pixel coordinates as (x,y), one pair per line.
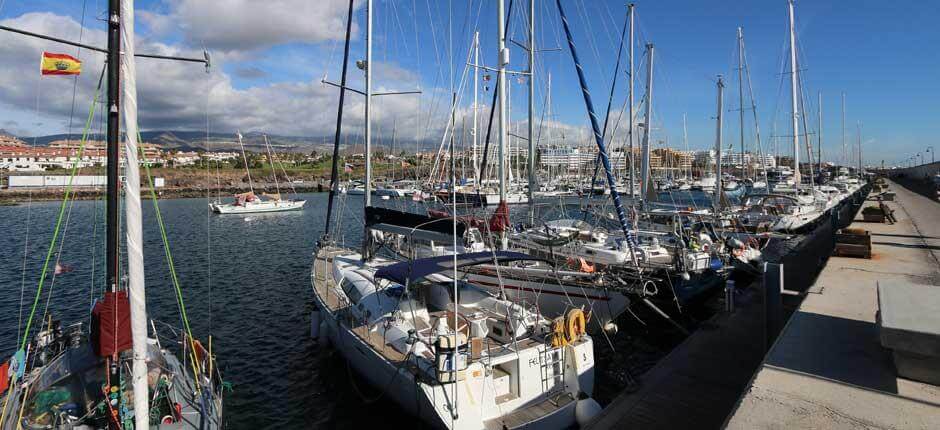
(827,368)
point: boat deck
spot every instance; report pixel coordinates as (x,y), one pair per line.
(323,285)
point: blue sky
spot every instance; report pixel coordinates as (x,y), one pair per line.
(271,56)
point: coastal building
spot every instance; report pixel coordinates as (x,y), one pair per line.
(747,158)
(6,140)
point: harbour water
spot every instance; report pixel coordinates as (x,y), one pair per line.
(256,300)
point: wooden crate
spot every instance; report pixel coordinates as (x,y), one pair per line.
(853,243)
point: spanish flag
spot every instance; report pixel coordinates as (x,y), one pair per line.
(59,64)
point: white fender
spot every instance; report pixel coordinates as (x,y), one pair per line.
(585,411)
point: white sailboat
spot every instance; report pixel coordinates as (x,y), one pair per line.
(397,326)
(249,202)
(443,349)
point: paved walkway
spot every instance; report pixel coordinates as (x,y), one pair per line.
(827,369)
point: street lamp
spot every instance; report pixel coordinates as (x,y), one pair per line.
(931,151)
(921,158)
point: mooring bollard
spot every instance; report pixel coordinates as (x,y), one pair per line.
(773,304)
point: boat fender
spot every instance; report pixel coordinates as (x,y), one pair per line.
(585,411)
(558,332)
(611,328)
(575,325)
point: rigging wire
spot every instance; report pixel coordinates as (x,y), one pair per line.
(68,191)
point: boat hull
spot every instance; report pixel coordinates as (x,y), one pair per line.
(263,207)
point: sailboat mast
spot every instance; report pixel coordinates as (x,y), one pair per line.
(114,130)
(368,107)
(334,173)
(134,231)
(845,160)
(501,94)
(630,10)
(245,158)
(744,163)
(647,128)
(530,158)
(476,91)
(794,104)
(859,128)
(716,200)
(685,142)
(819,131)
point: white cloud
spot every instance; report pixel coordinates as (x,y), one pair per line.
(246,25)
(173,95)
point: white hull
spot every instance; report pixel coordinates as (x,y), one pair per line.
(372,349)
(260,207)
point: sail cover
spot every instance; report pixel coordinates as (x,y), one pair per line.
(134,220)
(111,324)
(412,271)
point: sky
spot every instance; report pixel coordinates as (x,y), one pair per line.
(269,59)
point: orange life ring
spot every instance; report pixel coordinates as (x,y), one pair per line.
(575,325)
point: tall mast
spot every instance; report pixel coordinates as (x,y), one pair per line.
(368,113)
(685,142)
(845,159)
(134,231)
(794,104)
(647,129)
(819,131)
(741,94)
(630,9)
(501,94)
(716,200)
(241,145)
(476,90)
(598,137)
(859,128)
(530,158)
(334,173)
(114,130)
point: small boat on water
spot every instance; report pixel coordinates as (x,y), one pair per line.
(249,202)
(246,203)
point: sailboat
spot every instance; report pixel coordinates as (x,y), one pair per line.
(249,202)
(785,208)
(441,348)
(114,375)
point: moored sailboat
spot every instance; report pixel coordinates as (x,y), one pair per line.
(114,375)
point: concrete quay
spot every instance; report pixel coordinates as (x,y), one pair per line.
(828,369)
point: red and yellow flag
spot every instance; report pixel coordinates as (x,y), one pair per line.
(59,64)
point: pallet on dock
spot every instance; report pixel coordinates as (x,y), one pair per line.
(873,214)
(853,242)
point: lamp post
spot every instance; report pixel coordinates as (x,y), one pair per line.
(931,151)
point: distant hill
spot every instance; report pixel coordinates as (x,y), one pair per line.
(253,141)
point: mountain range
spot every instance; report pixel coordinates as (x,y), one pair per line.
(176,140)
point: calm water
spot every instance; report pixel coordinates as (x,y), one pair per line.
(256,302)
(245,280)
